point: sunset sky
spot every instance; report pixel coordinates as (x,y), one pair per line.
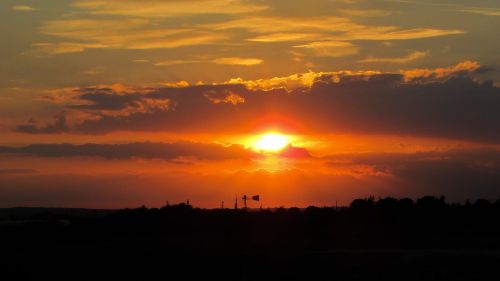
(120,103)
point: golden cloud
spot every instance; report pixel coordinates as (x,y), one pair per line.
(299,80)
(401,60)
(331,49)
(132,25)
(279,29)
(163,9)
(238,61)
(286,37)
(227,97)
(224,61)
(119,34)
(407,34)
(23,8)
(41,49)
(306,80)
(365,13)
(443,72)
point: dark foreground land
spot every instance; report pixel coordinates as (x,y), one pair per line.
(384,240)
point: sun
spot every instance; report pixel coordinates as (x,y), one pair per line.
(271,142)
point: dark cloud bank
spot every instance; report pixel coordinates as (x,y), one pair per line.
(460,174)
(458,108)
(146,150)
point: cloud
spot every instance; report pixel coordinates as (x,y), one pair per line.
(481,11)
(17,171)
(149,25)
(401,60)
(136,26)
(365,13)
(59,126)
(278,29)
(286,37)
(129,33)
(462,173)
(224,97)
(101,100)
(294,152)
(23,8)
(443,102)
(442,72)
(147,150)
(165,9)
(238,61)
(331,49)
(406,34)
(177,61)
(485,11)
(42,49)
(224,61)
(295,81)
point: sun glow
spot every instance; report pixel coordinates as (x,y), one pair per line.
(271,142)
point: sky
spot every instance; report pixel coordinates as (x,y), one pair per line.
(120,103)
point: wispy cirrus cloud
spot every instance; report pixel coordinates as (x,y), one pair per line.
(456,7)
(330,28)
(481,11)
(238,61)
(365,12)
(400,60)
(331,49)
(165,9)
(42,49)
(136,26)
(118,34)
(286,37)
(23,8)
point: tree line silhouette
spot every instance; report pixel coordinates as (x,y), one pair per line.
(375,239)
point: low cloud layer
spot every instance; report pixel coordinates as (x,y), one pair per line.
(458,173)
(164,151)
(16,171)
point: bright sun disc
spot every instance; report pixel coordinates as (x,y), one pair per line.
(271,142)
